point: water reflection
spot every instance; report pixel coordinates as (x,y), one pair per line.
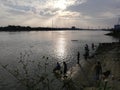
(56,44)
(60,48)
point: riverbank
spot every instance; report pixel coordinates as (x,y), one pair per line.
(83,74)
(114,34)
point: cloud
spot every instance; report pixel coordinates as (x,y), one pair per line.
(68,14)
(39,5)
(100,11)
(81,13)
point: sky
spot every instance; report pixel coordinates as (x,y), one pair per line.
(60,13)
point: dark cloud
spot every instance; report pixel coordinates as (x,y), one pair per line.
(95,7)
(20,8)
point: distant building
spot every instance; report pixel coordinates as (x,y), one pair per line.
(73,27)
(117,26)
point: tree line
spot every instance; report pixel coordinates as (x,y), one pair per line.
(28,28)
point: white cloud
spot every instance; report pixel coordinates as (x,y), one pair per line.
(30,12)
(39,5)
(66,12)
(108,15)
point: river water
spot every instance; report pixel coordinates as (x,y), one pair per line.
(34,46)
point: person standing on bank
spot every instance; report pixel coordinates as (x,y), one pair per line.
(93,46)
(86,47)
(65,68)
(98,70)
(78,57)
(86,55)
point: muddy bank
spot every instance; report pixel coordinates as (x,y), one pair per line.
(109,56)
(82,76)
(114,34)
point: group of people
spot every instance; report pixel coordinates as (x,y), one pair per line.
(98,72)
(86,55)
(58,68)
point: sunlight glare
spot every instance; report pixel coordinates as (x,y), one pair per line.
(61,46)
(61,4)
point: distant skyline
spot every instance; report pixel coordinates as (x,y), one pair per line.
(60,13)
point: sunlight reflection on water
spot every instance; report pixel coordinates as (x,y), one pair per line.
(56,45)
(61,44)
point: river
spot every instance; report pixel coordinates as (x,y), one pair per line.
(44,47)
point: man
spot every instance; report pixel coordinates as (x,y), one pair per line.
(78,58)
(65,68)
(98,70)
(57,68)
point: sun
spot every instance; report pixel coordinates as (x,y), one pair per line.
(60,4)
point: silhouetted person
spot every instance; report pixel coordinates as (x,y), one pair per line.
(86,47)
(58,67)
(93,46)
(98,70)
(78,57)
(86,55)
(65,68)
(86,50)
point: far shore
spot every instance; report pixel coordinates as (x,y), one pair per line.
(12,28)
